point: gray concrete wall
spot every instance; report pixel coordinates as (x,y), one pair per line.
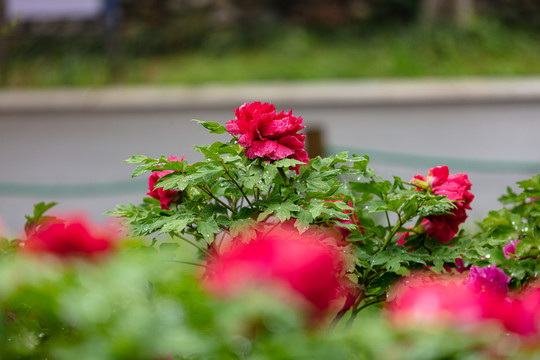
(68,145)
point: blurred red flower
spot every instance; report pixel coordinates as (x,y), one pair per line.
(165,197)
(454,301)
(304,268)
(268,135)
(75,237)
(433,300)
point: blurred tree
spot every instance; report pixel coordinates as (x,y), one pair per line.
(521,13)
(458,12)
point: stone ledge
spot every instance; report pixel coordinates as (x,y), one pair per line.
(328,93)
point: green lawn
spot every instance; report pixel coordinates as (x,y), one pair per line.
(488,50)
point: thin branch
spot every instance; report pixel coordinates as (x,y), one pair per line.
(386,211)
(235,183)
(207,191)
(357,310)
(283,176)
(193,244)
(390,236)
(188,263)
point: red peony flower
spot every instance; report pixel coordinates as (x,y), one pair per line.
(165,197)
(302,268)
(75,237)
(456,188)
(266,134)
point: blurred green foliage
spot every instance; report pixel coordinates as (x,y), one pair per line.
(488,49)
(139,306)
(172,41)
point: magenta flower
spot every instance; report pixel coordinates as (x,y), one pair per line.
(165,197)
(490,281)
(266,134)
(510,249)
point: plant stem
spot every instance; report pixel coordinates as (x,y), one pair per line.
(209,192)
(235,183)
(283,175)
(192,243)
(390,236)
(188,263)
(383,197)
(358,309)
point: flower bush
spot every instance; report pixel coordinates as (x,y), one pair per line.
(258,251)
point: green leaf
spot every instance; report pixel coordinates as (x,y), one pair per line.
(141,169)
(315,208)
(269,174)
(39,210)
(239,226)
(214,127)
(281,210)
(287,163)
(177,225)
(207,229)
(303,220)
(136,159)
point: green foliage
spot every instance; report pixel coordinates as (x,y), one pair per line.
(227,193)
(38,216)
(518,220)
(139,305)
(402,51)
(146,301)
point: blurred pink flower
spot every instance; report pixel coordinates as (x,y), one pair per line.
(281,259)
(165,197)
(268,135)
(433,300)
(456,188)
(522,316)
(456,302)
(490,281)
(73,237)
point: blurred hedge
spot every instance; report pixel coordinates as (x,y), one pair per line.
(171,26)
